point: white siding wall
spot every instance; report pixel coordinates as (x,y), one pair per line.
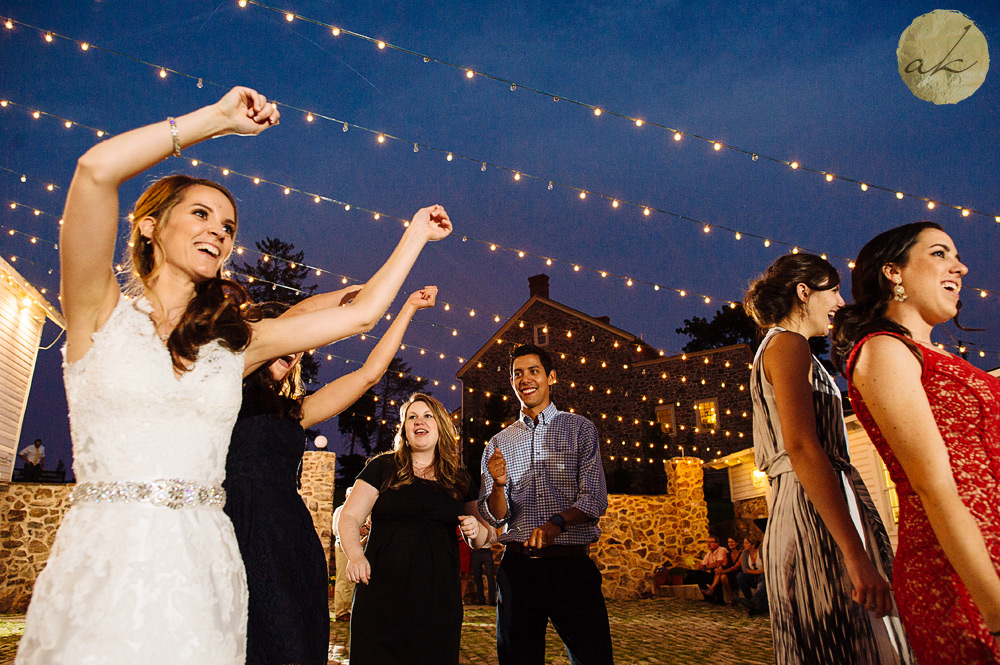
(741,481)
(867,461)
(20,331)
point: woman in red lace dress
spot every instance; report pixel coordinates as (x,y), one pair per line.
(935,420)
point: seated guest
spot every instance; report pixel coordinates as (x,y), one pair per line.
(707,574)
(732,569)
(752,568)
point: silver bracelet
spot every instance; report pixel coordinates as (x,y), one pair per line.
(175,136)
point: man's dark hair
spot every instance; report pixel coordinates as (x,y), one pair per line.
(528,350)
(38,440)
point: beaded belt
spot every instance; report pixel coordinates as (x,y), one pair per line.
(169,493)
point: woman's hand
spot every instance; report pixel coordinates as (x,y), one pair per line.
(424,298)
(871,590)
(470,526)
(246,112)
(432,223)
(359,570)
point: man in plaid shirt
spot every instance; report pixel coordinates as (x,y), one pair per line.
(544,481)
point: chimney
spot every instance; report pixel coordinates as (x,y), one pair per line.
(538,285)
(604,319)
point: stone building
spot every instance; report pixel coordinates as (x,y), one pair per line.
(648,406)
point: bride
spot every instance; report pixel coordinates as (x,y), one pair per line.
(145,567)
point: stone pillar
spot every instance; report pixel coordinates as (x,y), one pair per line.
(640,533)
(30,514)
(685,483)
(318,479)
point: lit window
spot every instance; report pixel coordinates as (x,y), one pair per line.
(542,335)
(707,410)
(665,419)
(890,492)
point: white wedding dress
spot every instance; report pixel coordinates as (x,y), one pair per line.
(144,573)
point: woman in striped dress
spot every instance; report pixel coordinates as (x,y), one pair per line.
(826,554)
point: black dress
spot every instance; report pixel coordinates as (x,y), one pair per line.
(410,612)
(289,620)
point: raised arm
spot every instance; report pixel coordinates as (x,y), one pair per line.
(90,220)
(356,510)
(274,338)
(493,498)
(787,361)
(320,301)
(340,394)
(888,377)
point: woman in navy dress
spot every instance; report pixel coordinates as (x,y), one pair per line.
(286,568)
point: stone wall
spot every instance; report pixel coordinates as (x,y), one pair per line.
(318,473)
(30,514)
(641,532)
(29,517)
(751,509)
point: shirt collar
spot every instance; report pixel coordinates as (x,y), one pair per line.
(544,418)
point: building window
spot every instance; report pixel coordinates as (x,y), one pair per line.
(542,335)
(707,413)
(665,419)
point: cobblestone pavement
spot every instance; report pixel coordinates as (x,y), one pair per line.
(661,631)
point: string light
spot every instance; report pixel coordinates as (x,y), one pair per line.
(576,267)
(718,145)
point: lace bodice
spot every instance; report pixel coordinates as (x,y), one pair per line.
(132,419)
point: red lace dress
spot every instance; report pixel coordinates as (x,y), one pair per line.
(941,620)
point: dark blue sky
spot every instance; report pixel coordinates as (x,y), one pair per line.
(814,82)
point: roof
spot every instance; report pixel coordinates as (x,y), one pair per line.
(516,318)
(24,288)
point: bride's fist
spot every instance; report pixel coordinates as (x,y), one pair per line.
(246,111)
(432,222)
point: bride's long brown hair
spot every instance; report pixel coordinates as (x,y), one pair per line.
(220,307)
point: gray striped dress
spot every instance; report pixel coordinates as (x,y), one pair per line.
(813,619)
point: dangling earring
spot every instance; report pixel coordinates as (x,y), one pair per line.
(898,293)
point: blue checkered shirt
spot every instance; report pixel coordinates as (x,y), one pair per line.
(551,466)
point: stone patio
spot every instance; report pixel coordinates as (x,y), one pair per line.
(658,631)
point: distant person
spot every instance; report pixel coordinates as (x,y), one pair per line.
(543,479)
(732,570)
(34,461)
(708,574)
(482,564)
(935,420)
(751,573)
(827,556)
(408,600)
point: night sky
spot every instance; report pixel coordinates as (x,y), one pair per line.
(814,82)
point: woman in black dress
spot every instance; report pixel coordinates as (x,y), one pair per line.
(289,621)
(408,607)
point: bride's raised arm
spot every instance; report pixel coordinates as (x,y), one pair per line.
(90,220)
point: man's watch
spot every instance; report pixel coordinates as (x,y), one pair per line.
(558,520)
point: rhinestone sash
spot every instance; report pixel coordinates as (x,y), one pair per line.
(168,493)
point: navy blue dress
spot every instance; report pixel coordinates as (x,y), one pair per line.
(410,613)
(289,620)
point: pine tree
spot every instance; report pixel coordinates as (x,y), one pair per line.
(278,276)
